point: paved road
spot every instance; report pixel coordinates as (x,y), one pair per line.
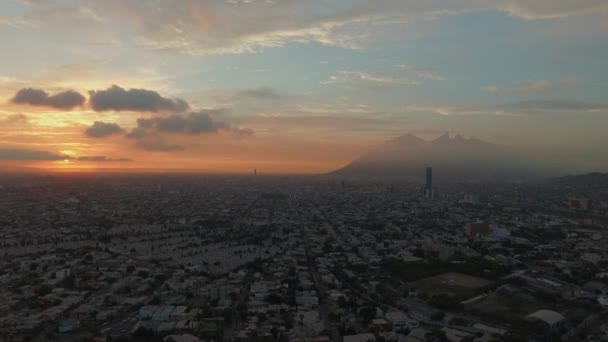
(230,332)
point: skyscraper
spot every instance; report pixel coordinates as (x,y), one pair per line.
(428,189)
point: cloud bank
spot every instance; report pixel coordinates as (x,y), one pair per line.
(20,154)
(159,146)
(193,123)
(118,99)
(102,129)
(65,100)
(103,159)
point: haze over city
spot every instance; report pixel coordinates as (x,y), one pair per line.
(296,86)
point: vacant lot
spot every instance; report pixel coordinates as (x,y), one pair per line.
(451,283)
(508,308)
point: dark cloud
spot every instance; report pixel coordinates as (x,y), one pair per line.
(37,97)
(262,93)
(102,129)
(103,159)
(137,100)
(192,123)
(18,154)
(137,132)
(159,146)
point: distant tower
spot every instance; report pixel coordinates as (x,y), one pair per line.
(255,172)
(428,189)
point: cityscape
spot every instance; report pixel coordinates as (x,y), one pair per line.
(297,258)
(303,171)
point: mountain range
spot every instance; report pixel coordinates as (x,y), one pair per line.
(453,158)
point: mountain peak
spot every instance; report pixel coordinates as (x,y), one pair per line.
(405,139)
(445,137)
(456,156)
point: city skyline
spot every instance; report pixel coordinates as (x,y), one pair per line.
(295,87)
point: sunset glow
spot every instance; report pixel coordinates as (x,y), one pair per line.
(295,86)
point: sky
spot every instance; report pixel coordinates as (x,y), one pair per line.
(295,86)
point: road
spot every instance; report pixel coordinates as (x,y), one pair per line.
(230,332)
(321,291)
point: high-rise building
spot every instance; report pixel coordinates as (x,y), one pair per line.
(471,199)
(428,189)
(478,229)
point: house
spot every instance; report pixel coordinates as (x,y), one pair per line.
(380,324)
(147,312)
(397,318)
(455,335)
(68,325)
(416,335)
(164,313)
(181,338)
(179,313)
(552,318)
(359,338)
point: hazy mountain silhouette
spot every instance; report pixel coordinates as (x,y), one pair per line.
(453,158)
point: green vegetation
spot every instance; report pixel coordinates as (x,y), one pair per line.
(412,271)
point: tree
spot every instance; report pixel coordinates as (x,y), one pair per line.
(367,313)
(436,335)
(261,317)
(274,298)
(438,316)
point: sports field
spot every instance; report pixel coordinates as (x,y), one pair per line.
(450,283)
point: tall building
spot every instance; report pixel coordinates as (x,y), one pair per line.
(428,189)
(478,229)
(471,199)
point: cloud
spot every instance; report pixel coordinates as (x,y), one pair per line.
(261,93)
(516,108)
(537,86)
(14,120)
(422,72)
(344,76)
(203,27)
(138,100)
(530,10)
(103,159)
(453,110)
(159,146)
(58,13)
(19,154)
(102,129)
(193,123)
(558,105)
(65,100)
(242,132)
(198,27)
